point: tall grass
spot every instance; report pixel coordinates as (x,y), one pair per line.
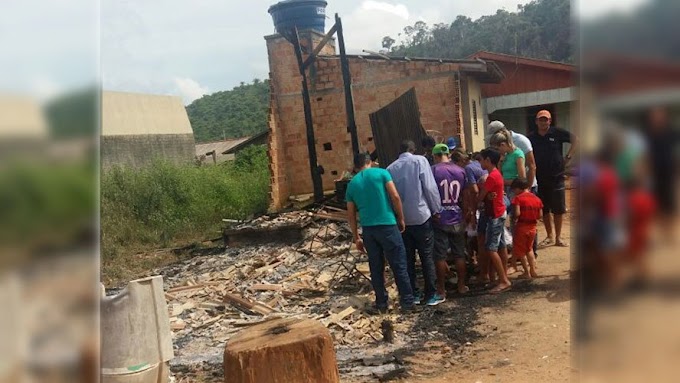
(166,204)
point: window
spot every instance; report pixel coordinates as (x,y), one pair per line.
(474,117)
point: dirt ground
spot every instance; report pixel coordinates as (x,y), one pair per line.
(522,335)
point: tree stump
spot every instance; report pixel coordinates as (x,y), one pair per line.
(282,350)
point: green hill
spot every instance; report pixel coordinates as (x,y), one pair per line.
(540,29)
(234,113)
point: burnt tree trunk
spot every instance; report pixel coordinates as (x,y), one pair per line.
(281,350)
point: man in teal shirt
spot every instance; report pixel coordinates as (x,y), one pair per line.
(372,195)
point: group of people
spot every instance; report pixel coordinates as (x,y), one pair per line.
(435,204)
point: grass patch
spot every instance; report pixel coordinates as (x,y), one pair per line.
(165,205)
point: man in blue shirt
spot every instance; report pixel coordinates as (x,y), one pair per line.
(415,183)
(372,195)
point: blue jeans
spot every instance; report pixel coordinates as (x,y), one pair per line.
(494,234)
(421,238)
(384,242)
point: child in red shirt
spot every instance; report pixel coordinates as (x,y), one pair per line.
(492,196)
(528,210)
(641,210)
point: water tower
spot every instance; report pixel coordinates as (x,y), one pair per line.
(303,14)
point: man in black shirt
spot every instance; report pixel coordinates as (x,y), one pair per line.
(547,143)
(428,143)
(662,143)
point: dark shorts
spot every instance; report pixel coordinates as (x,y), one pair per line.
(482,222)
(553,198)
(450,236)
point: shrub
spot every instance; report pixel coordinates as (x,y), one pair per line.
(165,204)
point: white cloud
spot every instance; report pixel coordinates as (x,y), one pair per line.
(189,89)
(44,88)
(396,9)
(368,23)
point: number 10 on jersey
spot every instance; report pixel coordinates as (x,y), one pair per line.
(451,191)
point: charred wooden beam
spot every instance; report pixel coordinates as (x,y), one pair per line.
(347,81)
(319,47)
(311,141)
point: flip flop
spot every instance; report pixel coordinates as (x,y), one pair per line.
(501,290)
(465,290)
(561,244)
(546,242)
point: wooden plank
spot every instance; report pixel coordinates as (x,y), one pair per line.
(331,217)
(336,318)
(246,305)
(274,301)
(319,47)
(178,326)
(266,287)
(177,310)
(185,288)
(208,322)
(296,275)
(266,268)
(324,278)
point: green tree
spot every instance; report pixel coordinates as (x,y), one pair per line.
(235,113)
(539,29)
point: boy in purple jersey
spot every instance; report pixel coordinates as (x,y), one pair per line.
(450,230)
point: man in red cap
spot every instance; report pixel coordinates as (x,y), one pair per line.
(547,142)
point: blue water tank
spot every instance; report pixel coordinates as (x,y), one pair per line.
(303,14)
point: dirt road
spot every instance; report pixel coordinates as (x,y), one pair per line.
(521,336)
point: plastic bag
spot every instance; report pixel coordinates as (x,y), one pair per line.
(507,236)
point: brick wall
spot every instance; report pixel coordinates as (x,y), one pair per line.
(375,83)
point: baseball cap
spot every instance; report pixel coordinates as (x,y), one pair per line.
(495,126)
(451,143)
(440,149)
(544,113)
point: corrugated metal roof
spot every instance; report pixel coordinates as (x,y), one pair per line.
(246,142)
(484,71)
(218,146)
(502,57)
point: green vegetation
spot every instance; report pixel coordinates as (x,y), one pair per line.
(235,113)
(540,29)
(165,204)
(45,207)
(74,114)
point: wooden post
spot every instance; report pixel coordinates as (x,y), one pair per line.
(317,182)
(347,81)
(281,351)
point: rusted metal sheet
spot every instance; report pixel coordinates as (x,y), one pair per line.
(525,78)
(394,123)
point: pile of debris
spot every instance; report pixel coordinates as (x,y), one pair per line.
(321,277)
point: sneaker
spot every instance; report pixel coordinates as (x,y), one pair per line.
(418,298)
(435,300)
